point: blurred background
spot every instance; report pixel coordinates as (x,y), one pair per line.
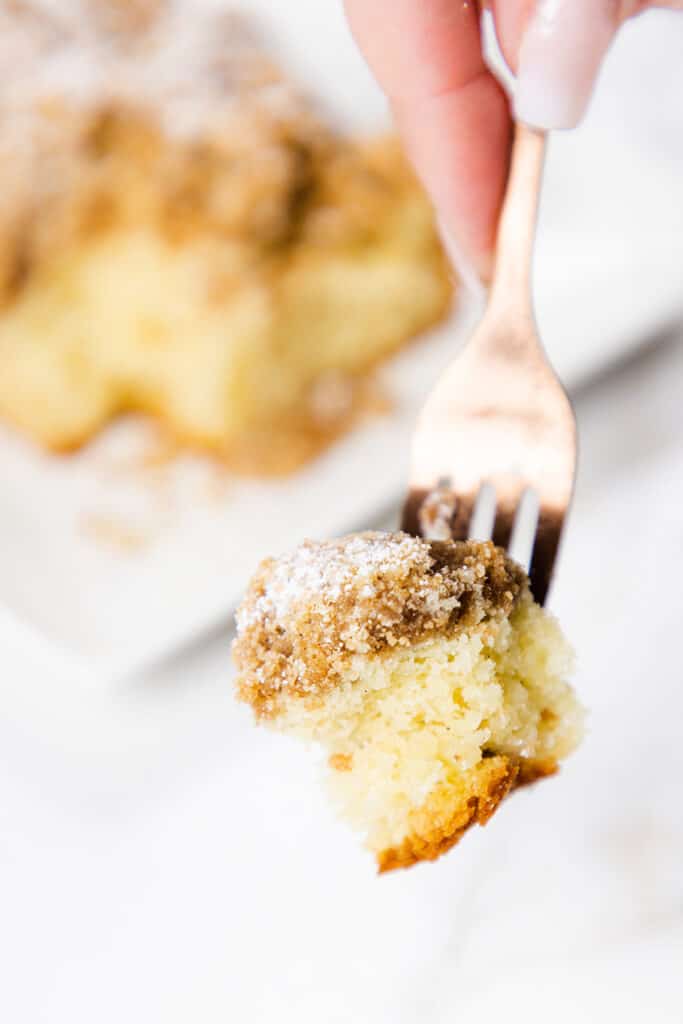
(184,200)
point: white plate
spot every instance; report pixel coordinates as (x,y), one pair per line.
(608,277)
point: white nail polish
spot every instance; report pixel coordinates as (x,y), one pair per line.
(559,58)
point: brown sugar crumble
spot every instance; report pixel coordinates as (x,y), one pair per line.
(307,613)
(183,230)
(118,109)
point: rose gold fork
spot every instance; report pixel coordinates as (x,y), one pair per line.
(499,415)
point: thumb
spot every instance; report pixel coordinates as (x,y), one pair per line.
(556,48)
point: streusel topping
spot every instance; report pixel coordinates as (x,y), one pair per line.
(307,613)
(168,112)
(184,61)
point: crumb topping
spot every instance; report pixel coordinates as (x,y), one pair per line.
(171,114)
(436,513)
(148,110)
(182,59)
(307,613)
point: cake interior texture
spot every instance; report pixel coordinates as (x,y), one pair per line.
(425,670)
(197,247)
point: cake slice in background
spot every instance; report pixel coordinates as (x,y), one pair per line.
(182,236)
(424,669)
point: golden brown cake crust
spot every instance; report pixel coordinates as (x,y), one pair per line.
(307,613)
(450,810)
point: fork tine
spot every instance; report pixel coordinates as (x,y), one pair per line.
(504,522)
(546,543)
(481,521)
(460,524)
(410,522)
(524,530)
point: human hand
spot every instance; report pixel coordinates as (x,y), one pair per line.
(454,116)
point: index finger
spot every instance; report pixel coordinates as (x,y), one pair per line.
(453,114)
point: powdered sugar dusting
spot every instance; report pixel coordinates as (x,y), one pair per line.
(124,105)
(183,60)
(308,613)
(331,570)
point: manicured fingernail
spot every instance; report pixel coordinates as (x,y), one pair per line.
(559,59)
(473,275)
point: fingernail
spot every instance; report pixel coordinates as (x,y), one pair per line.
(559,59)
(474,276)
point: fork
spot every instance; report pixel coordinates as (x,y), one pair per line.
(499,418)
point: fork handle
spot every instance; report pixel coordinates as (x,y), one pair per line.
(511,285)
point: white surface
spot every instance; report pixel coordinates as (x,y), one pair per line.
(608,276)
(163,861)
